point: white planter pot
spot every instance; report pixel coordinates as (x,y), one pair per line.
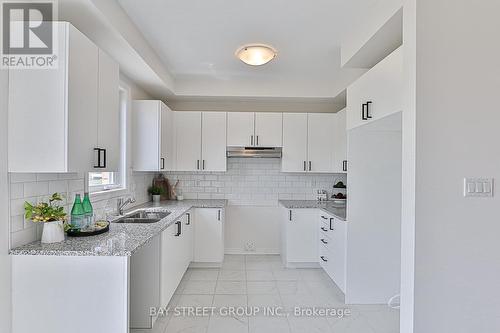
(156,198)
(53,232)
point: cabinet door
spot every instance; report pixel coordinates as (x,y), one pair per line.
(146,135)
(188,140)
(382,86)
(302,235)
(208,235)
(340,142)
(167,151)
(268,129)
(294,142)
(144,283)
(82,101)
(213,141)
(320,145)
(171,262)
(240,129)
(108,124)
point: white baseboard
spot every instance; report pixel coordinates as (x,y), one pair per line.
(257,251)
(302,265)
(205,265)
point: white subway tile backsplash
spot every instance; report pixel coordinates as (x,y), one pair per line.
(22,177)
(253,182)
(16,190)
(33,189)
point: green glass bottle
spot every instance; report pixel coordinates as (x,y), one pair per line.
(77,213)
(88,210)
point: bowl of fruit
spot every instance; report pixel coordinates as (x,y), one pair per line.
(339,198)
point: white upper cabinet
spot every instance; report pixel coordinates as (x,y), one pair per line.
(378,93)
(55,115)
(254,129)
(200,141)
(308,143)
(340,142)
(213,141)
(108,125)
(188,140)
(320,143)
(294,157)
(152,136)
(240,129)
(268,129)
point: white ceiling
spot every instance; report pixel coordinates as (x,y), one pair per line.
(196,40)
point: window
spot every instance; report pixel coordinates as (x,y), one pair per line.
(106,181)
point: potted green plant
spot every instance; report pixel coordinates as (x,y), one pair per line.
(51,214)
(155,192)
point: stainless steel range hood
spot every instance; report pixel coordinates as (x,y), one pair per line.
(257,152)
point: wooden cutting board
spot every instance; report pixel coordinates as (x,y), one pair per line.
(163,183)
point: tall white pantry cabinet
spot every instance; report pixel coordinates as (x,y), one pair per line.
(66,119)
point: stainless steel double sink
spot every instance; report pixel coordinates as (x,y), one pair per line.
(143,216)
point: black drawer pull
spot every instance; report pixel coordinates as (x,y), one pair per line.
(178,228)
(324,217)
(323,258)
(323,241)
(324,229)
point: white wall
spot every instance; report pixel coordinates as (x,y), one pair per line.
(457,264)
(253,188)
(5,263)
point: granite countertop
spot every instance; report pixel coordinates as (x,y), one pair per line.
(123,239)
(329,207)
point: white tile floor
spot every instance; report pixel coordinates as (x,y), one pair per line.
(261,281)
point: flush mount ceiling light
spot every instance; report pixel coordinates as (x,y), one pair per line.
(256,54)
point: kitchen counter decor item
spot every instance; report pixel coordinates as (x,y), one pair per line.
(339,184)
(51,215)
(162,182)
(98,228)
(155,192)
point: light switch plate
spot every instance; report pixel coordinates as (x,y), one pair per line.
(478,187)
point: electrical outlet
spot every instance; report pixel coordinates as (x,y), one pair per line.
(250,246)
(478,187)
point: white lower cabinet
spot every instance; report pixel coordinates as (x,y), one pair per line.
(195,236)
(209,235)
(175,243)
(299,237)
(144,284)
(332,248)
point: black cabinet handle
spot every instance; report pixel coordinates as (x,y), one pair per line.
(178,228)
(310,165)
(344,165)
(305,166)
(290,215)
(368,115)
(162,163)
(251,140)
(99,165)
(257,140)
(323,258)
(104,163)
(331,220)
(324,229)
(218,215)
(323,241)
(324,217)
(197,164)
(189,218)
(203,164)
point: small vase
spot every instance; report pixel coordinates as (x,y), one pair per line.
(156,198)
(53,232)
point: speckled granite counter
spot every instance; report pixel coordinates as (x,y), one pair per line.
(329,207)
(123,239)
